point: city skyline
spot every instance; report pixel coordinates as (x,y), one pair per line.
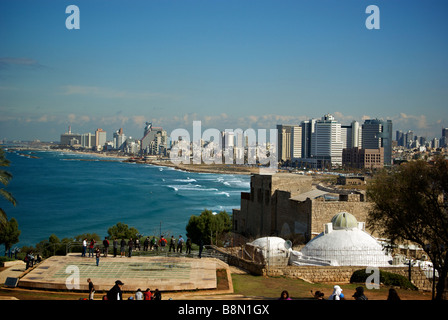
(230,64)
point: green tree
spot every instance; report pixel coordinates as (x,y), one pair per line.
(410,204)
(5,178)
(10,233)
(121,230)
(209,227)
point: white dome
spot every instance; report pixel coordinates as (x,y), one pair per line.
(347,247)
(273,242)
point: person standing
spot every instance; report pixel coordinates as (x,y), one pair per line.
(172,244)
(147,295)
(91,289)
(188,246)
(157,295)
(130,247)
(116,293)
(201,246)
(122,247)
(162,242)
(97,255)
(84,247)
(180,243)
(91,246)
(115,245)
(139,294)
(106,246)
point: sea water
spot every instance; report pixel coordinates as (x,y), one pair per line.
(69,194)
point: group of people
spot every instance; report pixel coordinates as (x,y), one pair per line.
(175,245)
(338,295)
(31,260)
(116,293)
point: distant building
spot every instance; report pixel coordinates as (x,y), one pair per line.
(100,139)
(119,140)
(154,141)
(69,138)
(360,158)
(378,134)
(289,142)
(326,142)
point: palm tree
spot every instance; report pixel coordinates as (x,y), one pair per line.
(5,177)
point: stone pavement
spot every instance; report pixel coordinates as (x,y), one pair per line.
(163,273)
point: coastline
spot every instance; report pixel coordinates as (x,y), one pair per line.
(202,168)
(112,156)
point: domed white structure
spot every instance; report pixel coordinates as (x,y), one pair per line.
(274,250)
(343,243)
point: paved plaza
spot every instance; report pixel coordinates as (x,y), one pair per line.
(163,273)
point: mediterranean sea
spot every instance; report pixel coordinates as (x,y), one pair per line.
(68,194)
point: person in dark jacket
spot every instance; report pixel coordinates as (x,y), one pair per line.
(359,294)
(115,292)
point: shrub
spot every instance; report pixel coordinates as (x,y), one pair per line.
(387,278)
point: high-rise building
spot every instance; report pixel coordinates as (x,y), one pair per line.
(399,136)
(119,139)
(87,140)
(284,142)
(100,138)
(296,142)
(351,135)
(289,142)
(326,142)
(307,131)
(378,134)
(154,141)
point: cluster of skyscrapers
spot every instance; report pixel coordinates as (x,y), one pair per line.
(410,140)
(325,143)
(154,141)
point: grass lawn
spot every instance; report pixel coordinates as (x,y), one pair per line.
(271,288)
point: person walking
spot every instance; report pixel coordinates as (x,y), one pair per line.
(97,255)
(116,293)
(115,246)
(91,289)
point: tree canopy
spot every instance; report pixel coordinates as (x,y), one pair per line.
(10,233)
(122,231)
(5,178)
(208,227)
(410,203)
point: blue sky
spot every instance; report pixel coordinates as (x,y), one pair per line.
(229,63)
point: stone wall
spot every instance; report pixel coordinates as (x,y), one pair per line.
(318,274)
